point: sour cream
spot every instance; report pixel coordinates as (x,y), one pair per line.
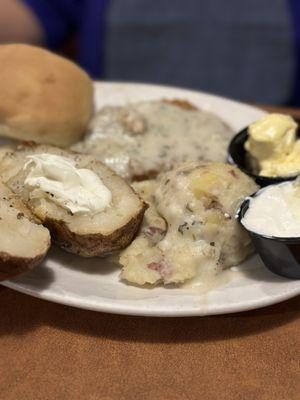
(275,211)
(57,178)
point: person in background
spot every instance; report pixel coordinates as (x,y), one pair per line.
(248,50)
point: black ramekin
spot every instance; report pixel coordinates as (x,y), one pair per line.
(280,255)
(237,155)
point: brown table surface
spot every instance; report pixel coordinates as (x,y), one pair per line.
(50,351)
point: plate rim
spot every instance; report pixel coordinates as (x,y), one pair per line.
(116,309)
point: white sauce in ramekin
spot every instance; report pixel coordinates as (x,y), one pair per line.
(275,211)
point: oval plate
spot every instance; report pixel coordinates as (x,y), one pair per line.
(94,284)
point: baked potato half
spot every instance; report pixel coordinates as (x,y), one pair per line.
(82,233)
(24,242)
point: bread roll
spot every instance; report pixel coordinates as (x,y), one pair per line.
(43,97)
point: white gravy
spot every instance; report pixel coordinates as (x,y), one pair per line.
(153,136)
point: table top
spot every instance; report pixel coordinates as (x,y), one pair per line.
(51,351)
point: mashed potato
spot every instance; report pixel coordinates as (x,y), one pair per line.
(190,226)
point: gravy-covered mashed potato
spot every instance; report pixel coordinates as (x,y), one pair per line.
(274,146)
(190,226)
(141,139)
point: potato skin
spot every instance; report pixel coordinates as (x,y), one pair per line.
(11,266)
(94,245)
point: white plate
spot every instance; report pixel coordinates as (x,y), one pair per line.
(94,284)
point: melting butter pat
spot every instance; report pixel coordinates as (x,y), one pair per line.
(286,165)
(272,142)
(57,178)
(271,136)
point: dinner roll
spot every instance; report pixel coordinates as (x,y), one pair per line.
(43,97)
